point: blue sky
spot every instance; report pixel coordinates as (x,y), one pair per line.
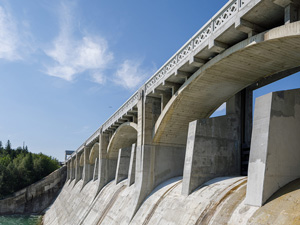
(66,66)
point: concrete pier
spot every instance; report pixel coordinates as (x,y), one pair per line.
(123,164)
(213,150)
(274,156)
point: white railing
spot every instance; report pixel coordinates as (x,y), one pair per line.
(225,14)
(93,136)
(129,104)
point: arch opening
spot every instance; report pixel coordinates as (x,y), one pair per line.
(94,160)
(119,151)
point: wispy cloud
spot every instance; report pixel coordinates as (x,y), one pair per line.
(73,55)
(130,74)
(9,38)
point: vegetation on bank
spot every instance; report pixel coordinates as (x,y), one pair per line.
(20,168)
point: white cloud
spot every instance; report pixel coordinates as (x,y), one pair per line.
(130,75)
(72,56)
(9,38)
(98,78)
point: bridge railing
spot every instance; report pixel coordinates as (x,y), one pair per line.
(129,104)
(221,17)
(93,136)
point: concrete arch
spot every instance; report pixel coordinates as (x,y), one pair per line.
(94,153)
(259,56)
(123,137)
(81,160)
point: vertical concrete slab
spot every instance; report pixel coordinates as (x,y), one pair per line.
(73,168)
(213,150)
(78,171)
(95,174)
(68,170)
(87,171)
(274,155)
(122,164)
(107,166)
(131,172)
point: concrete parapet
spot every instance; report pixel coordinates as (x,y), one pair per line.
(123,164)
(131,171)
(213,150)
(274,155)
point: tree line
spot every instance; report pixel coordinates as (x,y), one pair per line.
(20,168)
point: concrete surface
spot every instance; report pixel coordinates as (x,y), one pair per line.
(213,150)
(218,201)
(274,155)
(36,197)
(131,172)
(123,164)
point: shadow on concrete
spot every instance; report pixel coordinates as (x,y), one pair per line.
(287,189)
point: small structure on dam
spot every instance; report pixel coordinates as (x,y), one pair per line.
(161,159)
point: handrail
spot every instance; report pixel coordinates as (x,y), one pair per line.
(223,15)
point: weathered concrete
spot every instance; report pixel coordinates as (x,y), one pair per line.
(36,197)
(88,170)
(107,165)
(96,168)
(219,201)
(274,156)
(78,167)
(155,164)
(123,164)
(213,150)
(131,172)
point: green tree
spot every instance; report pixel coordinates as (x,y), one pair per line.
(20,168)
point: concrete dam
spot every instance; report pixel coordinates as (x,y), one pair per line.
(161,159)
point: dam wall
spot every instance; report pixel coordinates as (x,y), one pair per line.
(219,199)
(185,167)
(36,197)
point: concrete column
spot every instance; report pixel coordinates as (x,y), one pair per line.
(165,98)
(73,168)
(213,150)
(154,163)
(291,13)
(131,172)
(122,164)
(151,112)
(87,172)
(274,156)
(107,166)
(78,171)
(68,170)
(96,168)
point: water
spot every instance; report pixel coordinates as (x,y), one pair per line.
(20,220)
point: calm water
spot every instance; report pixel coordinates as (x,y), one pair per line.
(20,220)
